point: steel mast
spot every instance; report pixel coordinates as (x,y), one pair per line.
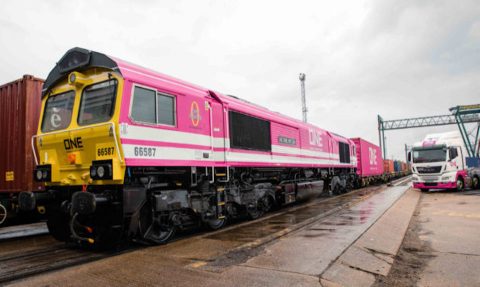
(304,102)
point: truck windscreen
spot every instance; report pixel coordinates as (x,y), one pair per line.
(429,155)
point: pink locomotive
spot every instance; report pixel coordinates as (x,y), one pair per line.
(126,152)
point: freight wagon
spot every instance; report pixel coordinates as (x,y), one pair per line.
(19,112)
(395,169)
(370,167)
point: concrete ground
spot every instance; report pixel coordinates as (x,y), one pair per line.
(372,255)
(397,237)
(451,224)
(442,246)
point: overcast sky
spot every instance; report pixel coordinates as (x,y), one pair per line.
(361,58)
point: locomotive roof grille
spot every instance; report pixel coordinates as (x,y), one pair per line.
(74,59)
(77,59)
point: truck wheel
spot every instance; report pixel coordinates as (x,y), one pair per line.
(424,189)
(475,182)
(460,185)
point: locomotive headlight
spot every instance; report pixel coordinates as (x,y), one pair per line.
(93,171)
(77,79)
(38,175)
(43,173)
(101,171)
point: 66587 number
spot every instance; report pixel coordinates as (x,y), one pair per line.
(144,151)
(106,151)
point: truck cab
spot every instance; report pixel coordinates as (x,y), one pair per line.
(439,162)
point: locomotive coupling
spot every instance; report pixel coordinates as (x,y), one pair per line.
(85,203)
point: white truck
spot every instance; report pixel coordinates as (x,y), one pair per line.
(440,162)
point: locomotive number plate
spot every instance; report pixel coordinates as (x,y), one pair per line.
(105,151)
(139,151)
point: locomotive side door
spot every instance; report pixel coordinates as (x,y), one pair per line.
(217,129)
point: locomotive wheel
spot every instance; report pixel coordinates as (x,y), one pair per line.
(255,213)
(215,224)
(337,190)
(108,237)
(151,230)
(268,204)
(58,225)
(258,211)
(159,234)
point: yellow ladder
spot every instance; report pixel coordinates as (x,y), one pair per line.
(221,202)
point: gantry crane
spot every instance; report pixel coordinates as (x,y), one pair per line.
(460,115)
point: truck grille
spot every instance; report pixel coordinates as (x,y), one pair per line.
(430,184)
(429,169)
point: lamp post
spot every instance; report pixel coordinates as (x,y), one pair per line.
(304,103)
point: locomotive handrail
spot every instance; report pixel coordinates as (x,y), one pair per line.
(76,129)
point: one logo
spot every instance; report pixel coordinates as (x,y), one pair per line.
(73,143)
(373,156)
(315,138)
(195,114)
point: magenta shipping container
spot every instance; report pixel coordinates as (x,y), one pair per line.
(369,158)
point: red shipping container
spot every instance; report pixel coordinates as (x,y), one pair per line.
(19,113)
(369,158)
(388,166)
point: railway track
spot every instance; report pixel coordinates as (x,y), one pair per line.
(32,262)
(52,256)
(21,231)
(278,224)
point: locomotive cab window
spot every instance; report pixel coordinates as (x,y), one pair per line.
(98,102)
(344,152)
(249,133)
(165,110)
(58,112)
(151,107)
